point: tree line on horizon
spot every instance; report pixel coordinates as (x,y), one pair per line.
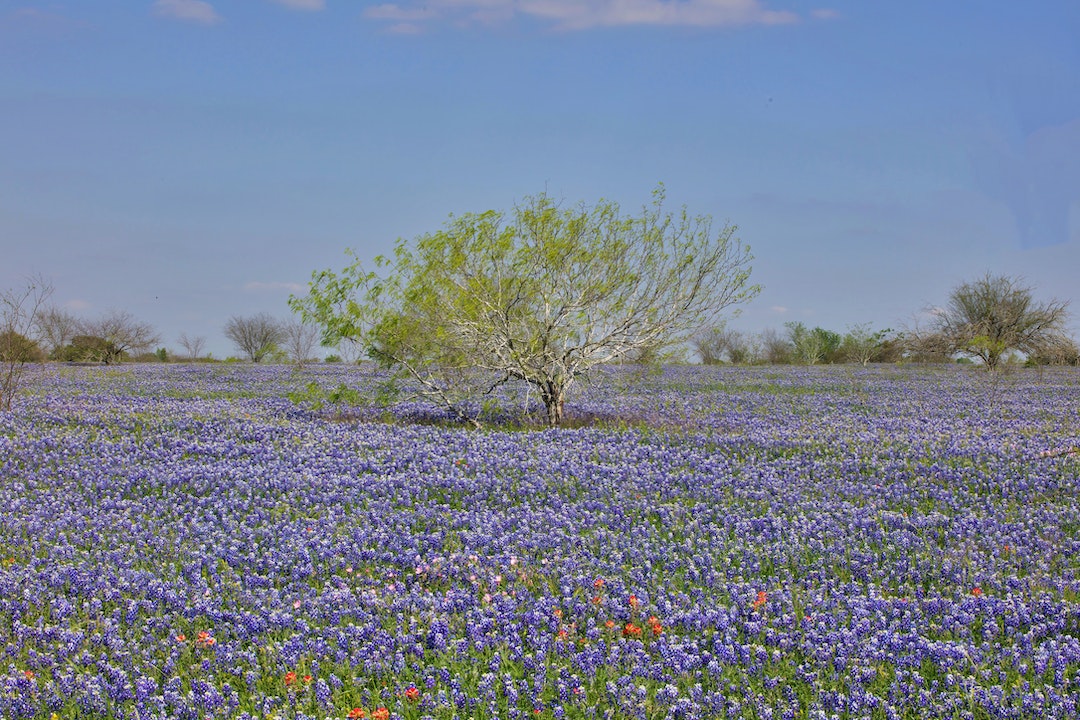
(539,296)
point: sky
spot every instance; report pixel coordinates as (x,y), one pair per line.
(192,160)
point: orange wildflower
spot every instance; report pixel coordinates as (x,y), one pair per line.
(412,693)
(356,713)
(290,678)
(761,597)
(380,713)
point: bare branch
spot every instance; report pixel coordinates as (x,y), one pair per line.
(19,313)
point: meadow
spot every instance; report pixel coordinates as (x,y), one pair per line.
(185,541)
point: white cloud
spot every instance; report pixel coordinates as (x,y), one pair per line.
(303,4)
(825,14)
(405,29)
(779,309)
(255,286)
(195,11)
(397,13)
(584,14)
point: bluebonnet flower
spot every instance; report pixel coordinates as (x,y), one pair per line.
(868,525)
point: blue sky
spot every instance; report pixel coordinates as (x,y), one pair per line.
(188,161)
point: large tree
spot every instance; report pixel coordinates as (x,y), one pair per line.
(255,335)
(118,334)
(541,295)
(991,316)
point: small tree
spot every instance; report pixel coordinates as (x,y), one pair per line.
(775,348)
(863,346)
(193,345)
(813,346)
(299,340)
(56,327)
(717,344)
(257,336)
(991,316)
(710,344)
(540,295)
(118,334)
(87,348)
(19,310)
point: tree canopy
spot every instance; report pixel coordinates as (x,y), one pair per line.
(988,317)
(257,336)
(116,335)
(541,295)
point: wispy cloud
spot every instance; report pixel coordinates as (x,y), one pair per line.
(303,4)
(582,14)
(29,19)
(195,11)
(256,286)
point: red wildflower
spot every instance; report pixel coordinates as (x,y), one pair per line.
(290,678)
(356,713)
(28,674)
(380,713)
(976,591)
(204,639)
(631,630)
(307,678)
(563,634)
(598,583)
(609,624)
(634,602)
(761,597)
(596,600)
(412,693)
(181,637)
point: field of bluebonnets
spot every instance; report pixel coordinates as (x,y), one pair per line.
(186,542)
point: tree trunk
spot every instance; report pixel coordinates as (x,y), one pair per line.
(554,396)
